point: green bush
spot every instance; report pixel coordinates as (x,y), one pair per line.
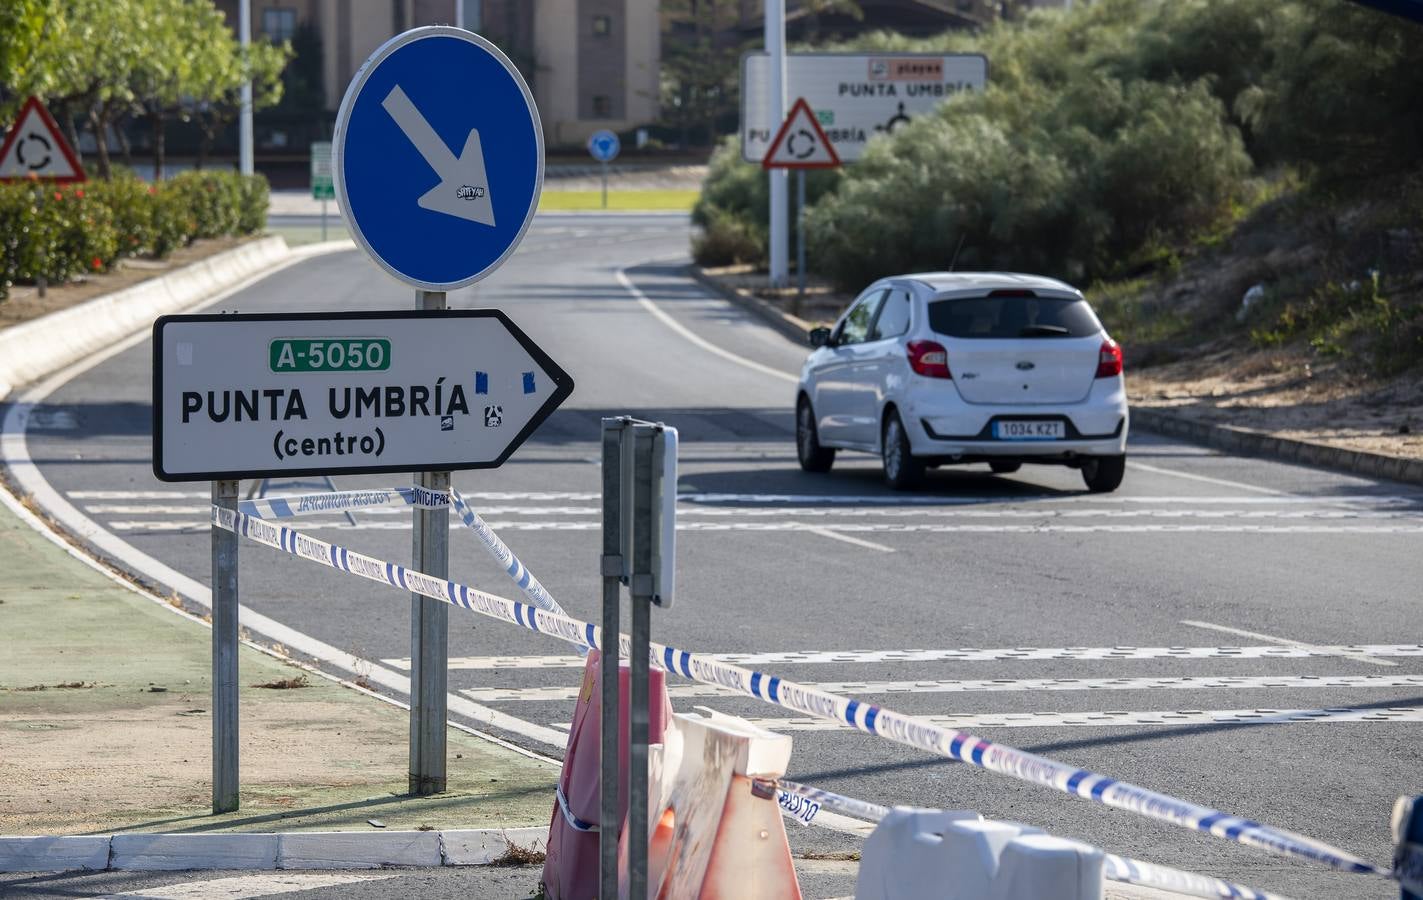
(57,232)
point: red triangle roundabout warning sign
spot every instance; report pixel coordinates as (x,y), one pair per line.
(35,148)
(801,143)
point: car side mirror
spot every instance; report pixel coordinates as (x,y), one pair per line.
(819,337)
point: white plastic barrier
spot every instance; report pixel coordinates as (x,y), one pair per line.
(957,855)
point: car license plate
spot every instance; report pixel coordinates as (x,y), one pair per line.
(1019,430)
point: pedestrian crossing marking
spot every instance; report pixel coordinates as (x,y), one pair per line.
(820,657)
(993,685)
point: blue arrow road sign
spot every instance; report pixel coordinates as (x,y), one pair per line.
(438,157)
(604,145)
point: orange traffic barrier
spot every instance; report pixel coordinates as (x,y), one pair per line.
(718,834)
(571,867)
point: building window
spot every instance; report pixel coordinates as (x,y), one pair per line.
(602,106)
(602,26)
(278,24)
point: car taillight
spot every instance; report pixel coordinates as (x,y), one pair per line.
(929,359)
(1109,360)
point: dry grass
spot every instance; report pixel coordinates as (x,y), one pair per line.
(514,855)
(285,684)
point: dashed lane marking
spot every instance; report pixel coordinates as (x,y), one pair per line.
(754,512)
(1332,715)
(842,528)
(880,500)
(818,657)
(993,686)
(1284,641)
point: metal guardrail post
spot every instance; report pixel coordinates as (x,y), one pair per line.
(429,629)
(224,656)
(640,583)
(609,821)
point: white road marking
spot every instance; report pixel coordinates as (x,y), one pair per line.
(696,339)
(1027,654)
(841,528)
(1287,642)
(1238,485)
(1333,715)
(835,535)
(245,887)
(881,501)
(992,686)
(877,512)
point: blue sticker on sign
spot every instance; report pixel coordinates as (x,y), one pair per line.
(438,181)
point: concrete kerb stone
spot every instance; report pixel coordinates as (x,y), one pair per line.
(31,350)
(1249,442)
(792,327)
(288,850)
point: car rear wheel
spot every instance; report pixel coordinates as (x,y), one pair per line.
(1005,467)
(902,471)
(812,456)
(1103,474)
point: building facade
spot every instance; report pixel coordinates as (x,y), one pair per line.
(591,64)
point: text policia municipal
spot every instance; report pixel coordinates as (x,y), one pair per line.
(285,404)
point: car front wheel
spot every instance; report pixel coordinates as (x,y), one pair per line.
(902,471)
(812,456)
(1103,474)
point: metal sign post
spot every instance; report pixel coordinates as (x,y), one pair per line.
(429,627)
(323,186)
(224,656)
(604,146)
(800,144)
(639,550)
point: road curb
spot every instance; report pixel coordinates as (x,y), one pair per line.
(1251,442)
(284,850)
(31,350)
(791,327)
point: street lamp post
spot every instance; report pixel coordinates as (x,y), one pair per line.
(244,126)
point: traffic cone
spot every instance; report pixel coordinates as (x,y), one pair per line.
(717,836)
(571,866)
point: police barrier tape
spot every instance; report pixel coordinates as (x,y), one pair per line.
(867,717)
(802,802)
(352,501)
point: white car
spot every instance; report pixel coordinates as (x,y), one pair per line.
(963,367)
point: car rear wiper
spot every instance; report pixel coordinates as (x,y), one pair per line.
(1043,331)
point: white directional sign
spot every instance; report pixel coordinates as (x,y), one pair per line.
(35,148)
(855,96)
(259,396)
(439,157)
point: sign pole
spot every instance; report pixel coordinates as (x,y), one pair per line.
(429,628)
(800,236)
(612,569)
(640,585)
(224,655)
(776,46)
(605,184)
(323,219)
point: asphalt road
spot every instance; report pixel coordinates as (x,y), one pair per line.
(1161,635)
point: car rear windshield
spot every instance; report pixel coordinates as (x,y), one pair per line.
(1011,317)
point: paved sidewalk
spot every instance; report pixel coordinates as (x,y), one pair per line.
(105,725)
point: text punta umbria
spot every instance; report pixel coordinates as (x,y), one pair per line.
(283,404)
